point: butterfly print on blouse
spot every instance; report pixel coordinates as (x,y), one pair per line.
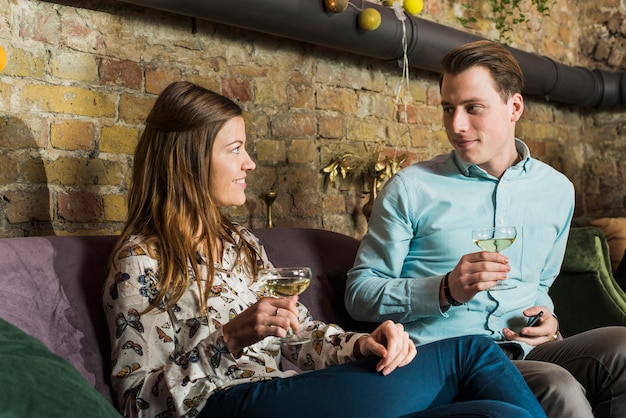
(335,340)
(217,324)
(218,289)
(215,352)
(130,251)
(318,340)
(133,346)
(128,369)
(194,402)
(163,336)
(132,321)
(194,325)
(139,403)
(120,277)
(232,370)
(187,380)
(148,281)
(171,409)
(309,363)
(183,359)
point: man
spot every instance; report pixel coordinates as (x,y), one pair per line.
(418,264)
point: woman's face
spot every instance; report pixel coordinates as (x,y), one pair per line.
(230,163)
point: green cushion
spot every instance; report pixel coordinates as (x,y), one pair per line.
(587,250)
(34,382)
(585,294)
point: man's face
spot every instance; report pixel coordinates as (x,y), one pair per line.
(479,124)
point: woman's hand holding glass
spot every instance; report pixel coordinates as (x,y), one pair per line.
(287,282)
(265,318)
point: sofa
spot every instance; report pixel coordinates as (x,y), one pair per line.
(54,347)
(54,352)
(588,292)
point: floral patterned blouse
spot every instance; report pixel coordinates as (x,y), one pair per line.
(167,363)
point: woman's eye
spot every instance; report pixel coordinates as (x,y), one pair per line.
(237,150)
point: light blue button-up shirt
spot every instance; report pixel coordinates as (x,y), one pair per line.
(422,224)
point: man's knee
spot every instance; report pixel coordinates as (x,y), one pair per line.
(559,393)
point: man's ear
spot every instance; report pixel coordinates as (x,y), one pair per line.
(517,102)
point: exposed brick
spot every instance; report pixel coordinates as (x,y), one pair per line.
(72,135)
(302,151)
(269,150)
(293,124)
(331,127)
(23,206)
(70,100)
(29,131)
(80,207)
(236,89)
(6,91)
(120,73)
(118,139)
(80,171)
(8,169)
(80,81)
(115,208)
(22,63)
(158,80)
(300,96)
(74,66)
(135,109)
(32,171)
(41,25)
(334,99)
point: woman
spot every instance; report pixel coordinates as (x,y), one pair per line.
(192,332)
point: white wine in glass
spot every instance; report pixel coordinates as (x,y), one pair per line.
(287,281)
(496,239)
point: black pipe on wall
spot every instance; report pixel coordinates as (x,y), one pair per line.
(427,42)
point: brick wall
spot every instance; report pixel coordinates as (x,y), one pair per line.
(82,75)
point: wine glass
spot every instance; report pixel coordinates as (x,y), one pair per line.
(496,239)
(287,281)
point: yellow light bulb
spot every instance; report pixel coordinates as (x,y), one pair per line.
(413,7)
(369,19)
(3,59)
(336,6)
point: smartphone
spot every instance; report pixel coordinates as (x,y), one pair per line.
(533,321)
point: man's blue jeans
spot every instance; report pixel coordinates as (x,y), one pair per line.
(458,377)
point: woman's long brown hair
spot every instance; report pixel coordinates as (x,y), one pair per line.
(169,201)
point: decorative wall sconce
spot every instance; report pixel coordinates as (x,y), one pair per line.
(269,198)
(368,168)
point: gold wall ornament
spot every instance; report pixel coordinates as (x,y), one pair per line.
(368,169)
(269,198)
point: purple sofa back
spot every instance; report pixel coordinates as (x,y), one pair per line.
(323,251)
(50,287)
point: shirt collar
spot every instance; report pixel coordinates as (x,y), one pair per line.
(467,169)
